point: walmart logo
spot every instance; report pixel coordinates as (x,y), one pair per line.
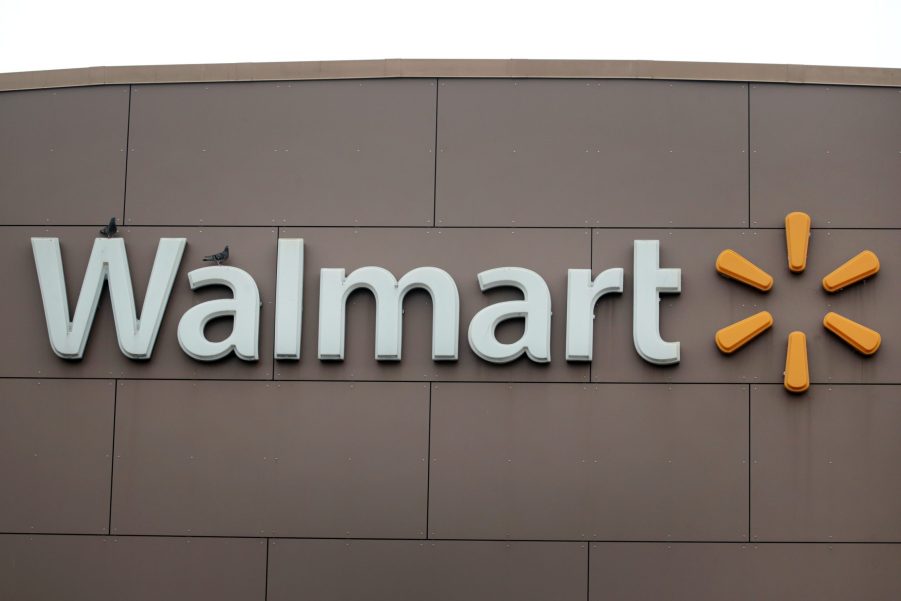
(136,333)
(797,235)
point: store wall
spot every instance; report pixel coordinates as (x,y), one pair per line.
(614,479)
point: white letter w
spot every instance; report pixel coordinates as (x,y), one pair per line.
(108,263)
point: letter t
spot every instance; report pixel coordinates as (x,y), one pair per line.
(650,281)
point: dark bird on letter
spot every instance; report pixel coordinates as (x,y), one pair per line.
(218,257)
(110,230)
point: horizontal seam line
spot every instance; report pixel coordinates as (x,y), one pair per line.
(474,540)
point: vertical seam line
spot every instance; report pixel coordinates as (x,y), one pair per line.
(127,152)
(593,308)
(428,466)
(112,455)
(588,571)
(749,462)
(748,107)
(435,166)
(278,235)
(266,575)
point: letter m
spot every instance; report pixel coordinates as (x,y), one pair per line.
(389,293)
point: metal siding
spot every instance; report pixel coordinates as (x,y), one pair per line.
(832,151)
(56,441)
(317,459)
(283,153)
(435,570)
(470,449)
(744,572)
(62,155)
(105,568)
(589,462)
(539,152)
(828,468)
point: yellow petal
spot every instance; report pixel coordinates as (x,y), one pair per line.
(862,338)
(733,337)
(797,378)
(858,268)
(797,236)
(733,265)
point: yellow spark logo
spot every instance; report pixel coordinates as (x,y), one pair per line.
(797,235)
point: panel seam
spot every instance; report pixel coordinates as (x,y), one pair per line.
(266,575)
(401,381)
(428,467)
(591,277)
(749,463)
(588,572)
(127,152)
(748,151)
(278,235)
(435,165)
(505,228)
(112,455)
(473,540)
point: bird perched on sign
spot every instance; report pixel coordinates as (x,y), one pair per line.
(218,257)
(110,230)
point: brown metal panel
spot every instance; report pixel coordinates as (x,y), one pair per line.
(834,152)
(62,155)
(708,302)
(461,252)
(56,438)
(775,572)
(104,568)
(543,152)
(317,459)
(22,318)
(436,570)
(301,153)
(827,468)
(589,462)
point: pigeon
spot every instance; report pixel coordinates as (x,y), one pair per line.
(218,257)
(110,230)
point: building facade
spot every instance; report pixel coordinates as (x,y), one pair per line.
(529,476)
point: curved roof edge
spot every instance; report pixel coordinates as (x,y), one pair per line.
(449,68)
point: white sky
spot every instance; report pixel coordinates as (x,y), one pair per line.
(41,34)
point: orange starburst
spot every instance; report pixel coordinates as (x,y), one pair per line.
(797,235)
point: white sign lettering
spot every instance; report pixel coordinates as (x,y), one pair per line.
(109,263)
(650,281)
(389,293)
(535,307)
(581,297)
(243,308)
